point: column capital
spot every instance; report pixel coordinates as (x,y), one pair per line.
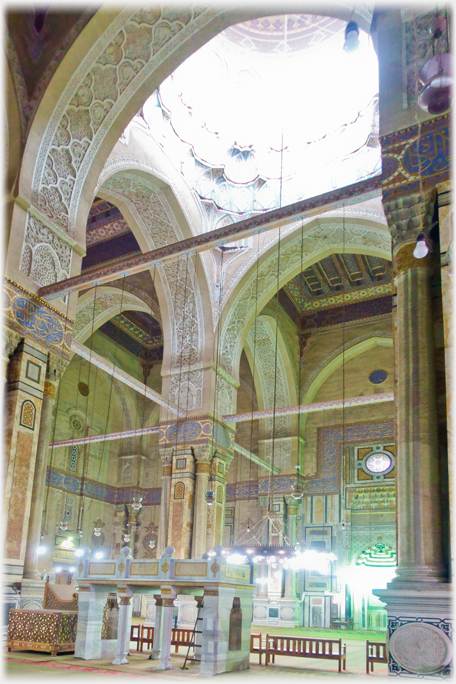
(56,367)
(409,215)
(292,505)
(11,340)
(204,453)
(166,455)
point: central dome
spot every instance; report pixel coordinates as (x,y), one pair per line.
(270,112)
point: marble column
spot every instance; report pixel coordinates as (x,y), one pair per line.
(417,482)
(123,631)
(156,646)
(91,602)
(203,456)
(166,456)
(290,575)
(166,633)
(53,376)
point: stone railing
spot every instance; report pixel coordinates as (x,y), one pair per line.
(167,568)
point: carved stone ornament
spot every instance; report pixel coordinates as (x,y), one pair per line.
(421,648)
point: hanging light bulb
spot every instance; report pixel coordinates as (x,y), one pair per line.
(126,537)
(137,503)
(151,544)
(421,248)
(63,526)
(209,498)
(351,37)
(97,531)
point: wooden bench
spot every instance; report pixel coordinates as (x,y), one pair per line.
(375,653)
(136,634)
(303,647)
(181,637)
(257,645)
(338,623)
(143,635)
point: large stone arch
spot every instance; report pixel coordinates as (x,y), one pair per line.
(321,237)
(99,305)
(340,356)
(179,283)
(126,54)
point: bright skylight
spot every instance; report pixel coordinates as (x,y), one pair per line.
(270,112)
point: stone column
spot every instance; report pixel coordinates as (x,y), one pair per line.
(290,575)
(166,632)
(203,456)
(24,397)
(156,646)
(123,631)
(418,600)
(166,456)
(417,482)
(53,376)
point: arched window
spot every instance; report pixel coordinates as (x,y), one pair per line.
(179,490)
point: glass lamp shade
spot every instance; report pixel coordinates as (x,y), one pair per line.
(63,526)
(152,544)
(97,531)
(210,498)
(297,492)
(126,537)
(137,505)
(436,77)
(351,37)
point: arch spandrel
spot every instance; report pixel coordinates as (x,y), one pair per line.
(322,237)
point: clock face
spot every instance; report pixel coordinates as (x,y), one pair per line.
(378,463)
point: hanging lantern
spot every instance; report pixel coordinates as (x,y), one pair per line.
(151,544)
(126,537)
(63,526)
(137,503)
(351,37)
(436,78)
(297,491)
(210,498)
(97,531)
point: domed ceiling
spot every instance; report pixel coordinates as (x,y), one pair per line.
(270,112)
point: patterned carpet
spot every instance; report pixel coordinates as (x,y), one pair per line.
(27,664)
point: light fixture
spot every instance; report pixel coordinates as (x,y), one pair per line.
(436,79)
(209,498)
(97,531)
(79,552)
(422,247)
(126,537)
(137,503)
(72,569)
(297,491)
(351,37)
(151,544)
(58,569)
(99,554)
(41,549)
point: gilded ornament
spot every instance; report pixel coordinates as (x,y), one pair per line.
(165,568)
(215,567)
(121,567)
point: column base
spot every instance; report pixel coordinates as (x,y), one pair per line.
(32,593)
(419,628)
(120,661)
(155,655)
